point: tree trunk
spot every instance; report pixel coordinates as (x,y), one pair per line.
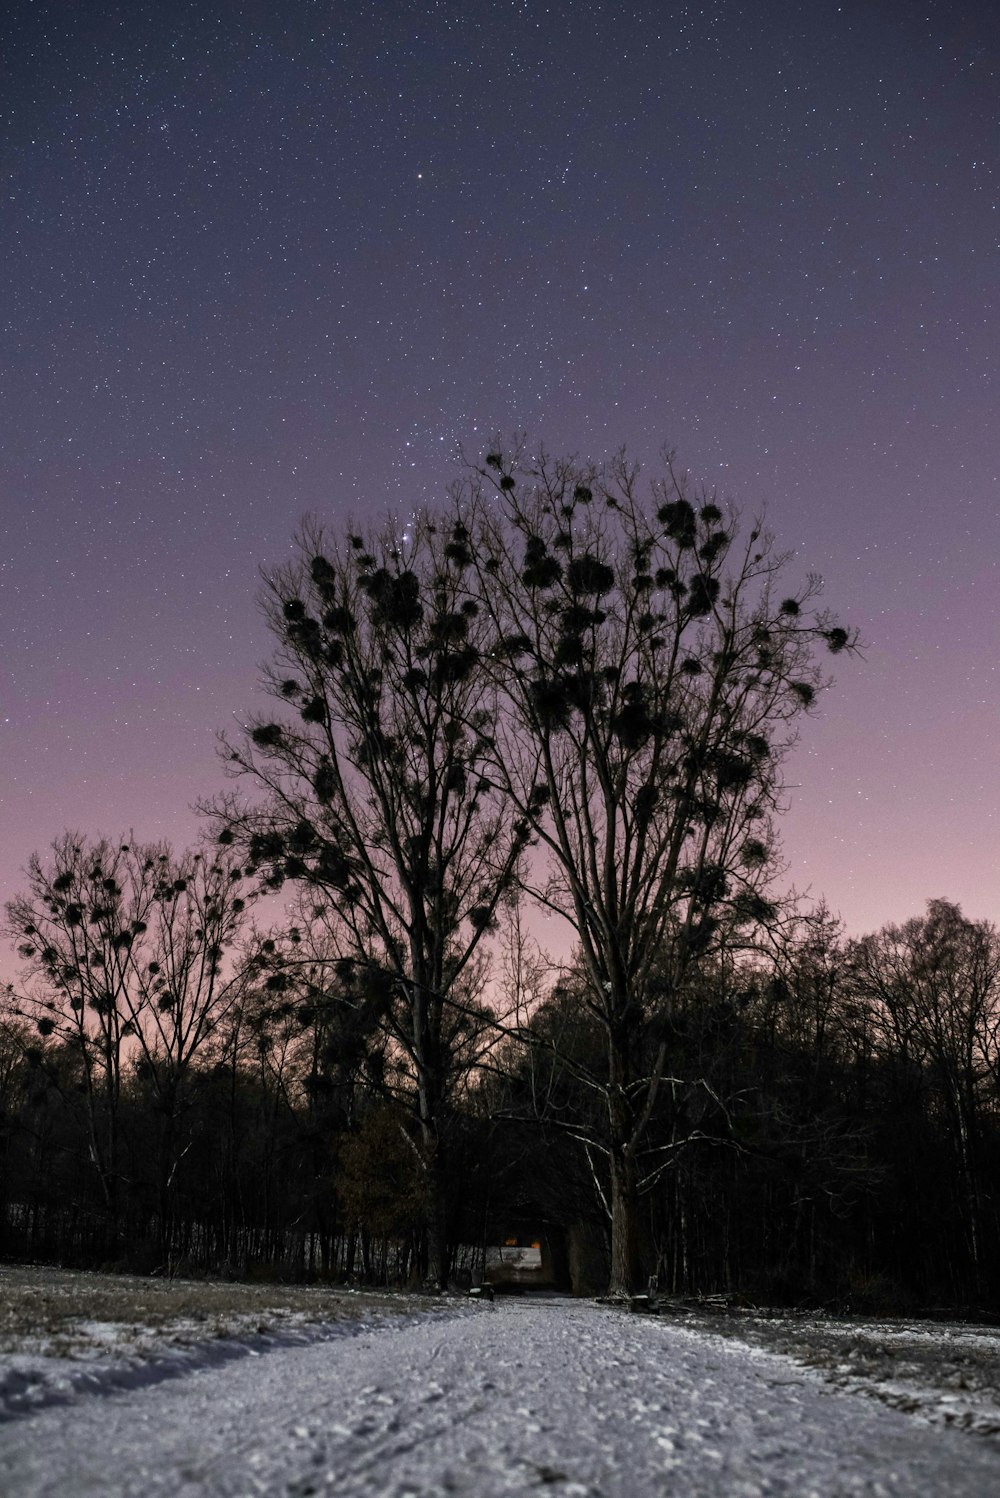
(166,1171)
(626,1253)
(427,1057)
(437,1215)
(626,1266)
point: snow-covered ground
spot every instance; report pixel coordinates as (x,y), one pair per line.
(947,1373)
(517,1397)
(66,1332)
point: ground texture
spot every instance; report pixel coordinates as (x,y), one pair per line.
(515,1398)
(62,1312)
(947,1373)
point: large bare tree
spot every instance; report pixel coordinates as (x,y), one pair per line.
(652,664)
(369,794)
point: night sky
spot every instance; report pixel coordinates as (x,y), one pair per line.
(265,259)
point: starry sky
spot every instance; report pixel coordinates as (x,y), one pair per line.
(260,259)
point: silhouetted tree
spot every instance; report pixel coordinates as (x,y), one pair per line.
(651,665)
(130,954)
(373,796)
(933,990)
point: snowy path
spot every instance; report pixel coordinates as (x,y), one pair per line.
(515,1398)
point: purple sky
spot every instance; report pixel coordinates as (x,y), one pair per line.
(266,259)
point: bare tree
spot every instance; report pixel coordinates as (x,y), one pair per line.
(372,797)
(932,987)
(651,666)
(129,956)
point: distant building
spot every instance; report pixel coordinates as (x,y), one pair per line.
(528,1254)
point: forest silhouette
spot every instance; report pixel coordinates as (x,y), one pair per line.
(567,692)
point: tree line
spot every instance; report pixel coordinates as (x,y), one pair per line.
(562,701)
